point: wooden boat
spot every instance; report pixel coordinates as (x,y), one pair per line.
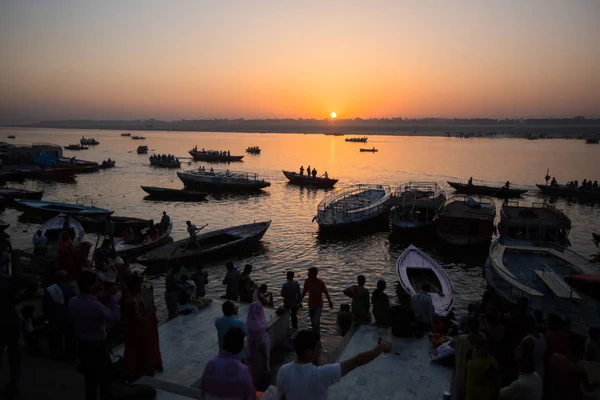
(226,181)
(53,228)
(133,250)
(174,194)
(126,134)
(539,222)
(495,191)
(138,137)
(414,268)
(592,140)
(540,272)
(107,164)
(357,140)
(72,162)
(98,224)
(567,191)
(253,150)
(49,207)
(373,150)
(167,163)
(88,141)
(11,136)
(354,205)
(142,149)
(212,244)
(10,194)
(75,147)
(305,180)
(464,221)
(210,156)
(44,173)
(416,205)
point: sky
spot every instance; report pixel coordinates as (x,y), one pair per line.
(187,59)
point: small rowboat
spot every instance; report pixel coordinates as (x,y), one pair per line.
(415,268)
(53,208)
(75,147)
(212,244)
(305,180)
(142,149)
(174,194)
(98,224)
(495,191)
(373,150)
(10,194)
(107,164)
(52,230)
(138,137)
(132,250)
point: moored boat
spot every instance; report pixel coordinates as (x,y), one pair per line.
(354,205)
(540,272)
(44,173)
(10,194)
(98,223)
(49,207)
(53,228)
(213,156)
(127,134)
(174,194)
(357,139)
(142,149)
(373,150)
(495,191)
(138,137)
(219,180)
(211,244)
(539,222)
(306,180)
(415,268)
(415,205)
(76,147)
(592,140)
(164,161)
(568,191)
(466,221)
(11,137)
(88,141)
(132,250)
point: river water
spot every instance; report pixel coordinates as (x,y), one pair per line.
(292,242)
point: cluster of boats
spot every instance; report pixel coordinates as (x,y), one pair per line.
(165,160)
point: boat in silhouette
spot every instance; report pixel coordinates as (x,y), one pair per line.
(219,180)
(494,191)
(373,150)
(306,180)
(174,194)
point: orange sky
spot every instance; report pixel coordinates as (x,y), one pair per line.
(192,59)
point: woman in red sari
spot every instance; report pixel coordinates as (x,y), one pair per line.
(142,348)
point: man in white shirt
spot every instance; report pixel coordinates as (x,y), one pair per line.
(529,386)
(422,305)
(302,379)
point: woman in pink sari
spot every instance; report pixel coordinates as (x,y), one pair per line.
(259,346)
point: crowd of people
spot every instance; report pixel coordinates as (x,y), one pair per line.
(585,184)
(312,172)
(220,153)
(165,158)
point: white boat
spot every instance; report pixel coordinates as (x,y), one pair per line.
(416,205)
(540,272)
(53,228)
(353,205)
(414,268)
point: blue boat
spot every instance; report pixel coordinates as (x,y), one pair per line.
(53,208)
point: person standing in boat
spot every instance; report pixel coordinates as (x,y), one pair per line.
(314,173)
(507,185)
(192,230)
(308,171)
(326,175)
(301,170)
(470,181)
(165,220)
(315,288)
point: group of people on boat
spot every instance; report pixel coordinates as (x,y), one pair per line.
(149,234)
(312,172)
(203,169)
(585,184)
(220,153)
(167,158)
(253,149)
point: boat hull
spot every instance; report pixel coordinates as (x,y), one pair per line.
(53,208)
(163,164)
(53,229)
(499,192)
(564,191)
(221,184)
(305,180)
(132,252)
(244,236)
(174,194)
(200,156)
(8,195)
(98,224)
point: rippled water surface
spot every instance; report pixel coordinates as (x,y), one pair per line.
(292,241)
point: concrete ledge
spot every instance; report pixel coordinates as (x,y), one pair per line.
(169,391)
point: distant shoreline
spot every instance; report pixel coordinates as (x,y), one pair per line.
(532,129)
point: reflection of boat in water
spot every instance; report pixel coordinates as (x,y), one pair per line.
(416,205)
(306,180)
(222,180)
(415,268)
(539,222)
(466,221)
(496,191)
(354,205)
(210,244)
(547,275)
(567,191)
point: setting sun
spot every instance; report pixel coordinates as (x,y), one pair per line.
(333,115)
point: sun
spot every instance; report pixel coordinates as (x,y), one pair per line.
(333,114)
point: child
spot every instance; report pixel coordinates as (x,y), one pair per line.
(344,318)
